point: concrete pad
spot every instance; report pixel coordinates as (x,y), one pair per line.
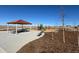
(13,42)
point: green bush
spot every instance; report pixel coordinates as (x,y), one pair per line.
(41,27)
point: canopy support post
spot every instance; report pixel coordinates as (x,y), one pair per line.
(7,27)
(30,27)
(16,28)
(22,26)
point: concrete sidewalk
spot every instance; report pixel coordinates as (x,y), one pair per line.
(12,42)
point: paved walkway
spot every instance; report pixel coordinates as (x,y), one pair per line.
(12,42)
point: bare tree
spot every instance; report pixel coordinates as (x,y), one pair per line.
(78,34)
(62,20)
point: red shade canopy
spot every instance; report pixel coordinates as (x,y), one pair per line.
(19,22)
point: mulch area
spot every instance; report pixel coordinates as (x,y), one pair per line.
(53,44)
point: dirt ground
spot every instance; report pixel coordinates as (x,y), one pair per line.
(52,42)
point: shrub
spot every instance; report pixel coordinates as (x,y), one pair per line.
(41,27)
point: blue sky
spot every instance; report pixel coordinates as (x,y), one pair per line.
(39,14)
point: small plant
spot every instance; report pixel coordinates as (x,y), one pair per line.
(41,27)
